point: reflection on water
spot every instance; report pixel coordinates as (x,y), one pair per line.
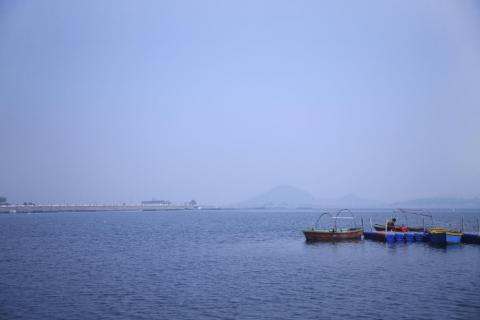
(446,247)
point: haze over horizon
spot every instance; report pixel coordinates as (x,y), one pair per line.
(120,101)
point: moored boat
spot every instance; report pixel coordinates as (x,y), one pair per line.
(443,237)
(406,221)
(334,233)
(379,227)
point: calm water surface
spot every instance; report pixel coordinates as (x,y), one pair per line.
(224,265)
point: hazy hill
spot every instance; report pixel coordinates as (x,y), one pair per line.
(351,201)
(280,197)
(291,197)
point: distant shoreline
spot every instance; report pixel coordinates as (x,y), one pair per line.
(92,208)
(52,208)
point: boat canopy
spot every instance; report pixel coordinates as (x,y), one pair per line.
(417,212)
(341,214)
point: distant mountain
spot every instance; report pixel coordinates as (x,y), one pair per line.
(280,197)
(351,201)
(291,197)
(447,203)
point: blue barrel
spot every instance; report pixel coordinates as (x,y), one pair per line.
(410,236)
(419,236)
(390,237)
(400,236)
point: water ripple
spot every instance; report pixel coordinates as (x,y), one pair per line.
(223,265)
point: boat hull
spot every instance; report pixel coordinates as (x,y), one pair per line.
(471,238)
(379,227)
(324,235)
(416,229)
(374,235)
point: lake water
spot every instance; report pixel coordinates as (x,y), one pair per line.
(225,265)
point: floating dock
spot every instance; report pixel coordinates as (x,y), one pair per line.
(410,237)
(403,237)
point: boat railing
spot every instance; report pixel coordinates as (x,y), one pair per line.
(472,227)
(447,226)
(427,217)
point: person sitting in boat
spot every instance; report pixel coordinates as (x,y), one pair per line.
(391,224)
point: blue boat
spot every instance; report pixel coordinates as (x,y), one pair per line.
(444,237)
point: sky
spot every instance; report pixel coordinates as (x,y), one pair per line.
(218,101)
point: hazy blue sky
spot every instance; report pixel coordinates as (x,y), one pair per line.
(221,100)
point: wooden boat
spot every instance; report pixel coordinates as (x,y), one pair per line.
(335,233)
(379,227)
(415,229)
(443,237)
